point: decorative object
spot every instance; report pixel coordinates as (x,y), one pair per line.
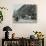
(32,37)
(1,17)
(3,8)
(7,28)
(39,34)
(26,13)
(13,36)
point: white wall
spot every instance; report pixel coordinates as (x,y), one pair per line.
(23,29)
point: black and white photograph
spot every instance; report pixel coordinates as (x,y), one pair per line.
(26,13)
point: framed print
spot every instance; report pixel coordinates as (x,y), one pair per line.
(26,13)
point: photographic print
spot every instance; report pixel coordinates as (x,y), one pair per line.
(26,13)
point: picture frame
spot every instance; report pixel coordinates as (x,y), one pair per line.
(26,13)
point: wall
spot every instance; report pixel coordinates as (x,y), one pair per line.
(23,29)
